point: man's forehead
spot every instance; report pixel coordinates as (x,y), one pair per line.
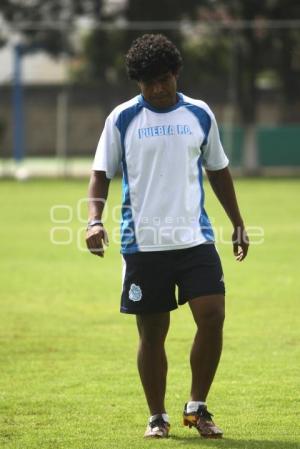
(159,77)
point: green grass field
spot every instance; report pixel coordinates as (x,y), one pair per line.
(67,357)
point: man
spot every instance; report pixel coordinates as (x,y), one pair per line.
(162,139)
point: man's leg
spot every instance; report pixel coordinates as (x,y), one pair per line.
(208,313)
(152,360)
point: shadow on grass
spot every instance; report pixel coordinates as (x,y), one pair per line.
(236,444)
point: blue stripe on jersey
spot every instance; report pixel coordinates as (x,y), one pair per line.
(203,118)
(128,237)
(205,123)
(205,224)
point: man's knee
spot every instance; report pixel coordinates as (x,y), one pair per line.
(210,312)
(215,317)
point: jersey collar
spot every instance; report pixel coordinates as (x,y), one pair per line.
(147,105)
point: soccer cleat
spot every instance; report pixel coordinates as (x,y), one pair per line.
(158,428)
(202,420)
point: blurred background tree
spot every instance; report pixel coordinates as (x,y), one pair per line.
(46,24)
(263,51)
(257,54)
(104,50)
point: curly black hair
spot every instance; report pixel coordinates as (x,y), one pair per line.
(152,55)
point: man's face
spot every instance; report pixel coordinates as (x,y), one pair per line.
(160,92)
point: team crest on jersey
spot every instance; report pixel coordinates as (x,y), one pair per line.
(135,293)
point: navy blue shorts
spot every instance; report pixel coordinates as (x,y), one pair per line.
(150,278)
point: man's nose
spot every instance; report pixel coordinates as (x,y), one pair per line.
(157,88)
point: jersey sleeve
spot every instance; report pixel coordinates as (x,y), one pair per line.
(109,151)
(213,154)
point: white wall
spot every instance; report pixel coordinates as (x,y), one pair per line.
(37,68)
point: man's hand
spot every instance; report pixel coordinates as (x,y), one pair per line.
(96,236)
(240,242)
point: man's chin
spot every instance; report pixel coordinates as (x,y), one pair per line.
(161,103)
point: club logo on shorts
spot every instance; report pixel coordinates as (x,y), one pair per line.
(135,293)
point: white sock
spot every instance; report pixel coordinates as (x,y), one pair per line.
(192,406)
(165,417)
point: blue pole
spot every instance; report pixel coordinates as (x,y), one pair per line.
(18,117)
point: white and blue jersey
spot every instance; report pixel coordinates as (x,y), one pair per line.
(162,152)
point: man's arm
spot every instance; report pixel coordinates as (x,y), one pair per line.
(97,195)
(221,182)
